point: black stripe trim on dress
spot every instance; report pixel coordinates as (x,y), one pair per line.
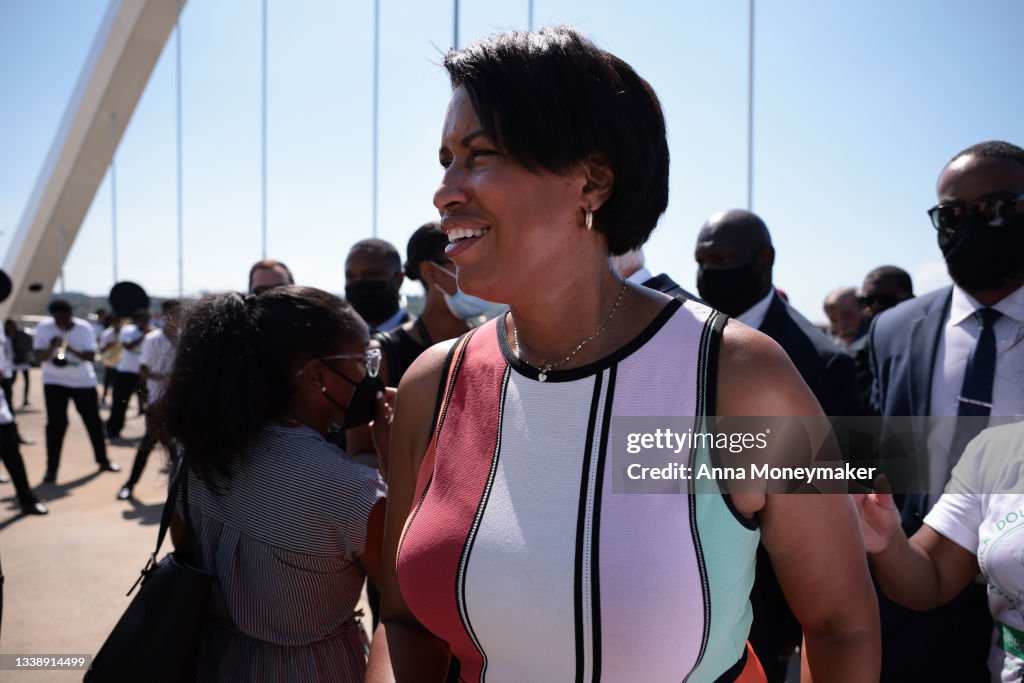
(460,576)
(580,530)
(699,425)
(711,400)
(597,366)
(595,563)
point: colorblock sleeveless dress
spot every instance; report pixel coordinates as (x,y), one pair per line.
(520,556)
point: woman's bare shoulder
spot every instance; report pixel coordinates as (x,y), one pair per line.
(756,377)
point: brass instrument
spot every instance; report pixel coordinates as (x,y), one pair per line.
(60,359)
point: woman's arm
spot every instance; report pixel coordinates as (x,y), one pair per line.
(369,560)
(813,539)
(921,573)
(403,650)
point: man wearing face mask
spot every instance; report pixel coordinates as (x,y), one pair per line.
(955,352)
(734,274)
(447,310)
(373,276)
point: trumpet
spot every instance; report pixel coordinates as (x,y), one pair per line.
(60,359)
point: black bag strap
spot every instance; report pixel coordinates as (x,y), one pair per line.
(180,480)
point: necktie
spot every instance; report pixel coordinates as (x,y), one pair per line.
(975,397)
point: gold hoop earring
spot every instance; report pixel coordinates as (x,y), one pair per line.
(588,220)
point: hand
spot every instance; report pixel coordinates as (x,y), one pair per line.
(55,343)
(879,517)
(380,428)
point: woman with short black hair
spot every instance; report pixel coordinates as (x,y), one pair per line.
(507,546)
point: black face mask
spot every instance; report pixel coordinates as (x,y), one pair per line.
(374,300)
(361,404)
(981,257)
(364,401)
(733,290)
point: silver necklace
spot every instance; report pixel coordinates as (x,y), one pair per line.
(544,369)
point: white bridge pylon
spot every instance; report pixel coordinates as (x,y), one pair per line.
(128,44)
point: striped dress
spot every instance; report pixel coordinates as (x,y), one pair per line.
(282,543)
(520,556)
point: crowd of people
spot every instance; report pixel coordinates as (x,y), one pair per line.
(459,460)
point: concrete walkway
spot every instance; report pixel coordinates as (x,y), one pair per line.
(66,573)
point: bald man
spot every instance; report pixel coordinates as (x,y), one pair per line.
(734,274)
(373,277)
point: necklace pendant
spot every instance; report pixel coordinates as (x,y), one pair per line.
(542,377)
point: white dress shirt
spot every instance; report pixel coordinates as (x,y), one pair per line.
(959,335)
(641,276)
(754,316)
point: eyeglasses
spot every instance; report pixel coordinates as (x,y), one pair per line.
(372,358)
(995,210)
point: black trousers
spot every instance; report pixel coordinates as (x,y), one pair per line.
(142,455)
(108,380)
(8,387)
(25,394)
(88,406)
(11,454)
(125,384)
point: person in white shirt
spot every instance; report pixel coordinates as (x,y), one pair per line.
(155,364)
(127,381)
(66,347)
(975,527)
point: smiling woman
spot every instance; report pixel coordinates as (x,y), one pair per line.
(506,549)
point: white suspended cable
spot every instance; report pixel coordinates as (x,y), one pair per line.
(376,111)
(263,136)
(529,15)
(181,229)
(113,189)
(750,115)
(455,22)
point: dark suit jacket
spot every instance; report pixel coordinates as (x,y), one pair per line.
(950,643)
(902,344)
(829,372)
(663,283)
(826,368)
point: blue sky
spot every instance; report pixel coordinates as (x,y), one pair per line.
(857,108)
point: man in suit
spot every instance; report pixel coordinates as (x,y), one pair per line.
(631,266)
(734,274)
(955,352)
(373,276)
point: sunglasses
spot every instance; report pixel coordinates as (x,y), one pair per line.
(371,358)
(995,211)
(881,300)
